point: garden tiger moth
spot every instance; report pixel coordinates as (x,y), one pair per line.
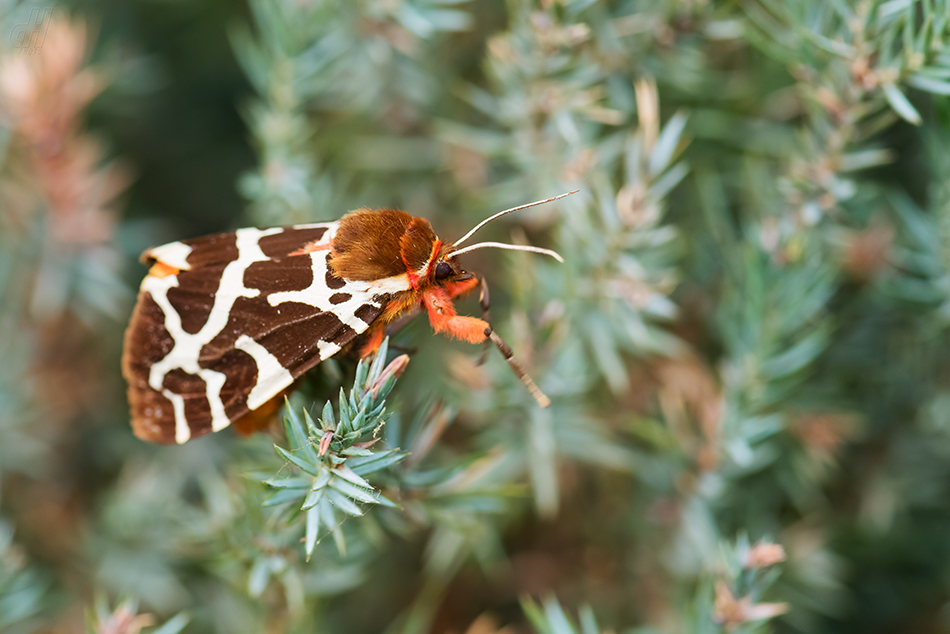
(226,323)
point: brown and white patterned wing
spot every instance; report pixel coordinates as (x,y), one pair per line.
(233,319)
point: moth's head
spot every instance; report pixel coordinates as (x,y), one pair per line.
(439,269)
(445,271)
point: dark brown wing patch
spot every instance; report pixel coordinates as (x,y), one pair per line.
(290,240)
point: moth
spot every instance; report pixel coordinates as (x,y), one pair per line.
(225,324)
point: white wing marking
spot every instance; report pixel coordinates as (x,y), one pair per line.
(320,225)
(173,254)
(182,430)
(327,348)
(272,377)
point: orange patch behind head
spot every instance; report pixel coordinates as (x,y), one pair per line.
(162,270)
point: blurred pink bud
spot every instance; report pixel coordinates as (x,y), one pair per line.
(763,555)
(730,612)
(124,621)
(395,368)
(325,442)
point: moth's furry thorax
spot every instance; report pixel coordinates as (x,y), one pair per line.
(379,243)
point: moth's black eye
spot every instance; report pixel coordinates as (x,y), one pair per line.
(442,270)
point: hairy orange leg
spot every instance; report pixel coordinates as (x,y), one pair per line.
(373,340)
(438,304)
(454,289)
(262,418)
(445,319)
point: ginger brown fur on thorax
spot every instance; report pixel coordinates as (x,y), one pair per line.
(375,244)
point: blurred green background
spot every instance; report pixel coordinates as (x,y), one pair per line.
(746,347)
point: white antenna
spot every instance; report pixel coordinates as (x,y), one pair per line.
(509,247)
(505,212)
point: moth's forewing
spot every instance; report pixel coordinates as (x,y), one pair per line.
(245,315)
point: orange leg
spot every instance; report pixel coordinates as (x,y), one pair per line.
(438,304)
(373,341)
(262,418)
(454,289)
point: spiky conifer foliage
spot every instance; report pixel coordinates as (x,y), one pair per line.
(745,348)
